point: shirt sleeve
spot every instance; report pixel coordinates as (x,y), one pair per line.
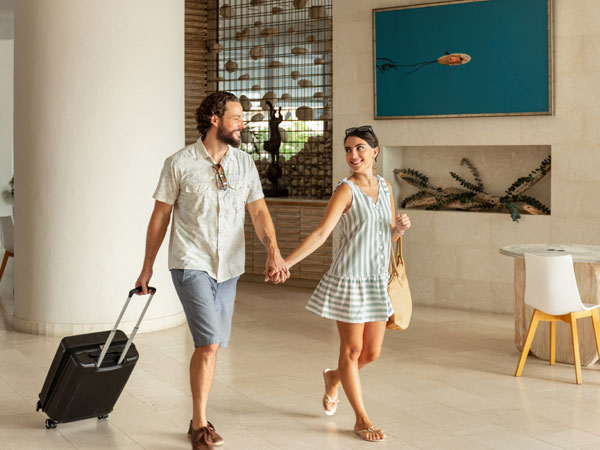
(168,184)
(255,192)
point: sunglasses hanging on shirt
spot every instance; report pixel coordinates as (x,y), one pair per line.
(220,174)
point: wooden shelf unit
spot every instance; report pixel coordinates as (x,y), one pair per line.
(294,219)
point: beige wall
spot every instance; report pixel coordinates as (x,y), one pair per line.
(6,124)
(452,257)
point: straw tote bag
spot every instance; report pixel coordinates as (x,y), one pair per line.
(399,291)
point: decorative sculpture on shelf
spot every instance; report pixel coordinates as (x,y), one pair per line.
(473,197)
(272,145)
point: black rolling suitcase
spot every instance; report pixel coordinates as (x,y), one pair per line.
(89,372)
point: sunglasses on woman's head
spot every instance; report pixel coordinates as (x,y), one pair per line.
(220,174)
(360,129)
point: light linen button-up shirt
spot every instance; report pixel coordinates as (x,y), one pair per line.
(207,232)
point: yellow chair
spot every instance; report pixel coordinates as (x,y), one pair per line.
(551,289)
(7,241)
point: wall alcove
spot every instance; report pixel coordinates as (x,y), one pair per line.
(499,166)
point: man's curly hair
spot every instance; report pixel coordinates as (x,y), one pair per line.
(214,104)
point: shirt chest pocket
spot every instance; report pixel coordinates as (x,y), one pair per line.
(193,196)
(238,194)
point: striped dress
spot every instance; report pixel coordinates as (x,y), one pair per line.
(354,289)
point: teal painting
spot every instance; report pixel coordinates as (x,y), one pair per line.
(463,58)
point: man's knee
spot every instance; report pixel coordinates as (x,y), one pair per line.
(206,351)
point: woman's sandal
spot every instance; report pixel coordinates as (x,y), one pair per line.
(329,404)
(372,429)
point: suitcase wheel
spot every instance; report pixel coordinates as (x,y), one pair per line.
(103,416)
(50,424)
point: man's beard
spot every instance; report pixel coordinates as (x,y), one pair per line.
(228,139)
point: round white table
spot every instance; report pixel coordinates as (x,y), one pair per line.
(587,272)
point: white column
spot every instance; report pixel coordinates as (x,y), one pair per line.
(99,105)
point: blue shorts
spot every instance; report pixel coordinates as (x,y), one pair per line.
(208,305)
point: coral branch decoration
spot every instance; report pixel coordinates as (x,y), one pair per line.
(471,196)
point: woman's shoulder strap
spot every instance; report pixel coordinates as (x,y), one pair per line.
(344,181)
(383,182)
(347,182)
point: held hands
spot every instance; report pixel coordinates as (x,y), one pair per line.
(402,223)
(279,277)
(277,270)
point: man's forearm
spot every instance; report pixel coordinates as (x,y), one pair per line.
(275,269)
(157,228)
(266,232)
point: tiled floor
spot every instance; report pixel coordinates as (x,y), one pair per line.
(446,383)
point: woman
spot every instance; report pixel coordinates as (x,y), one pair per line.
(353,292)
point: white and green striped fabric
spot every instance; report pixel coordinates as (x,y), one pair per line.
(354,289)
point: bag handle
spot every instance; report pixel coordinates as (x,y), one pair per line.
(135,329)
(399,250)
(397,253)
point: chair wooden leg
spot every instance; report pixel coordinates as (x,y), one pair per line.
(4,261)
(596,324)
(575,339)
(552,343)
(535,320)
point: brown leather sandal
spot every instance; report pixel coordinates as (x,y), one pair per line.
(216,439)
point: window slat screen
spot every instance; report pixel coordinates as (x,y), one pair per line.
(279,51)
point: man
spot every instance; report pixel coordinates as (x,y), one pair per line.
(207,185)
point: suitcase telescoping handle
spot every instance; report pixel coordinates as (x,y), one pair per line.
(137,290)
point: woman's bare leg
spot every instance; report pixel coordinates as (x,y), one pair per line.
(352,340)
(372,341)
(373,335)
